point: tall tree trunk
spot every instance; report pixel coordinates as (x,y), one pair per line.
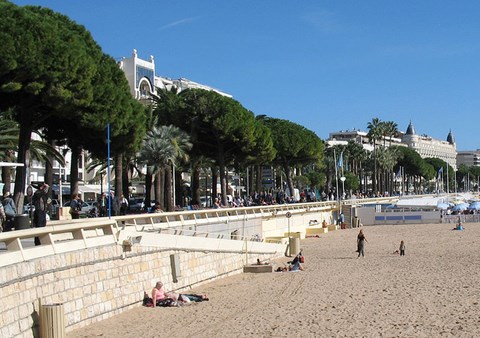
(288,174)
(118,174)
(23,156)
(195,184)
(76,151)
(258,178)
(49,171)
(159,185)
(157,189)
(223,182)
(148,188)
(214,183)
(125,181)
(168,188)
(179,191)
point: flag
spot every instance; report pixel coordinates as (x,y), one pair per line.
(340,160)
(440,172)
(399,172)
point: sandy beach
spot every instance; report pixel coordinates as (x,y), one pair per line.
(433,291)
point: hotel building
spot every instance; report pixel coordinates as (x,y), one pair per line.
(424,145)
(143,80)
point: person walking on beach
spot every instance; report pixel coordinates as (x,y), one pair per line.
(361,243)
(402,248)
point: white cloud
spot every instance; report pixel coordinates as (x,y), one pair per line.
(178,23)
(322,20)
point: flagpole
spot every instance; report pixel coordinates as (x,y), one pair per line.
(336,172)
(403,179)
(448,188)
(342,178)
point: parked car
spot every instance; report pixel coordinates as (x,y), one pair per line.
(86,206)
(137,204)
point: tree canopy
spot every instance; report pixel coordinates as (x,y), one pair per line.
(295,145)
(56,78)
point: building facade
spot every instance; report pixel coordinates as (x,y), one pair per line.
(143,81)
(469,158)
(342,137)
(424,145)
(427,146)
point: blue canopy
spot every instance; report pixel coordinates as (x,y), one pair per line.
(474,206)
(443,206)
(460,207)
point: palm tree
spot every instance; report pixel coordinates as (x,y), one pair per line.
(390,129)
(357,155)
(162,148)
(8,144)
(40,150)
(374,134)
(387,159)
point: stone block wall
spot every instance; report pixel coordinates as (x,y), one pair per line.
(98,283)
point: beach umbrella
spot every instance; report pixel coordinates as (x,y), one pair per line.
(474,206)
(443,206)
(460,207)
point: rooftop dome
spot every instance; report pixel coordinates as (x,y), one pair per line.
(410,129)
(450,138)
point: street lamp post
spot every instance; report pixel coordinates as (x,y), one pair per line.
(60,190)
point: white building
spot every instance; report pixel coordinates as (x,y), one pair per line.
(427,146)
(424,145)
(342,137)
(143,81)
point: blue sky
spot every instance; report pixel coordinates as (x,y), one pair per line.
(326,65)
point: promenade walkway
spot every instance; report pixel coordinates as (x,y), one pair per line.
(430,292)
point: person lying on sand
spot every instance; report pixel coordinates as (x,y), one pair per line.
(165,299)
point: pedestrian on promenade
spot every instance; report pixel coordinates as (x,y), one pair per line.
(40,201)
(76,206)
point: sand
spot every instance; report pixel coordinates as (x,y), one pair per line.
(433,291)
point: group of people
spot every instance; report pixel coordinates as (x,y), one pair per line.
(118,205)
(162,298)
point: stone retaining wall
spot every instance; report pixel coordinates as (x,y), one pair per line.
(98,283)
